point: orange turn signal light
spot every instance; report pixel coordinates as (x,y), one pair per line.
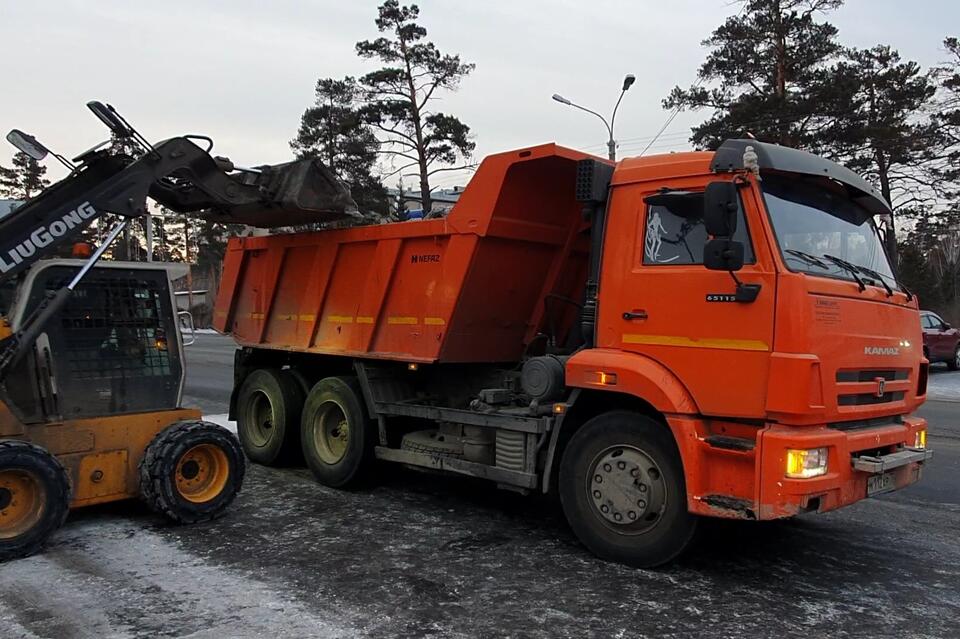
(607,379)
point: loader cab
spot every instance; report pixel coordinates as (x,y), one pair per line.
(114,349)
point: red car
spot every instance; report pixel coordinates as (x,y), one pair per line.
(941,342)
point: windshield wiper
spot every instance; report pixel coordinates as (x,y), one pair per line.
(808,258)
(853,269)
(874,274)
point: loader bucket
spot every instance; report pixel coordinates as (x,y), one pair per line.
(293,194)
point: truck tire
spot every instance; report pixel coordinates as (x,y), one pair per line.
(336,434)
(192,471)
(623,491)
(34,498)
(268,417)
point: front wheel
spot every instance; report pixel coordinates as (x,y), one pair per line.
(34,498)
(192,471)
(623,491)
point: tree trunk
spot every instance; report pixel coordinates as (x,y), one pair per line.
(425,201)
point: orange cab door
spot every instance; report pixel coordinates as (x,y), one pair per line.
(657,299)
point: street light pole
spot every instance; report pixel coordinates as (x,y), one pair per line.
(628,80)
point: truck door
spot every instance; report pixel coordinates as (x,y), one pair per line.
(657,298)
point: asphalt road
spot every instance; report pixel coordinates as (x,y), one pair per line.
(414,556)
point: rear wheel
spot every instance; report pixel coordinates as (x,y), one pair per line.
(192,471)
(34,498)
(954,363)
(268,416)
(623,492)
(336,435)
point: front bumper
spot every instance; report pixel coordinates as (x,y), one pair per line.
(853,457)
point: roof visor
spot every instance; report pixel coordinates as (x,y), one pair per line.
(729,157)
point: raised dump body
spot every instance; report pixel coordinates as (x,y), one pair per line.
(478,285)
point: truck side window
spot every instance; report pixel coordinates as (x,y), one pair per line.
(671,239)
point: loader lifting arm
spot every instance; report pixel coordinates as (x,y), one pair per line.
(178,174)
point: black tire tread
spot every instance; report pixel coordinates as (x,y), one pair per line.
(293,397)
(656,551)
(153,469)
(59,502)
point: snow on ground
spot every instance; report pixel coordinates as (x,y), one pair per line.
(943,385)
(223,420)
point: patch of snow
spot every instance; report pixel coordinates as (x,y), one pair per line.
(943,385)
(224,420)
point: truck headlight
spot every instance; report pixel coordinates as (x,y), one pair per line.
(803,464)
(920,439)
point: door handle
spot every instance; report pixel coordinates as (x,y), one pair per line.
(632,315)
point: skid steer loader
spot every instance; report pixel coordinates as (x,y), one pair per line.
(91,356)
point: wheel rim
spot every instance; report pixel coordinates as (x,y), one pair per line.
(260,412)
(22,499)
(626,489)
(202,473)
(331,433)
(956,358)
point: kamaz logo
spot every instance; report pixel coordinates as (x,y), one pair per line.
(881,350)
(43,236)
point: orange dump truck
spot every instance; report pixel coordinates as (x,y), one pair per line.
(696,334)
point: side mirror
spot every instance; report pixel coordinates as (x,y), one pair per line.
(27,144)
(720,205)
(108,115)
(723,255)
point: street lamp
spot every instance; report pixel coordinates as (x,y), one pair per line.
(628,80)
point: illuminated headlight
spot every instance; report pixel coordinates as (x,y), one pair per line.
(920,439)
(803,464)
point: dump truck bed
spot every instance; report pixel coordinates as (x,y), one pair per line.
(508,262)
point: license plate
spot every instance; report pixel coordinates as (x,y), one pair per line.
(882,483)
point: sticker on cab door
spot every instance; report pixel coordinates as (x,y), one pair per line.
(826,311)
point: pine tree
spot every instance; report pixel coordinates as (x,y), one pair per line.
(25,179)
(947,119)
(334,131)
(878,132)
(767,74)
(399,96)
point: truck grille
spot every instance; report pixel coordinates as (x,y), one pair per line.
(868,399)
(870,375)
(859,387)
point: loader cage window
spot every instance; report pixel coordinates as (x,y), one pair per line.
(114,348)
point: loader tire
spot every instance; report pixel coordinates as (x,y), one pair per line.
(336,434)
(192,471)
(34,498)
(269,405)
(623,490)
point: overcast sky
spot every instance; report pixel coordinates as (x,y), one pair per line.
(242,71)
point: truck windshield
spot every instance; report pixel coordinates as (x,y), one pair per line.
(822,231)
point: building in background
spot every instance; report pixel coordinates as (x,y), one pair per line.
(442,201)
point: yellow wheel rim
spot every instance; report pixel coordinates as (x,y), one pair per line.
(202,473)
(331,433)
(22,499)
